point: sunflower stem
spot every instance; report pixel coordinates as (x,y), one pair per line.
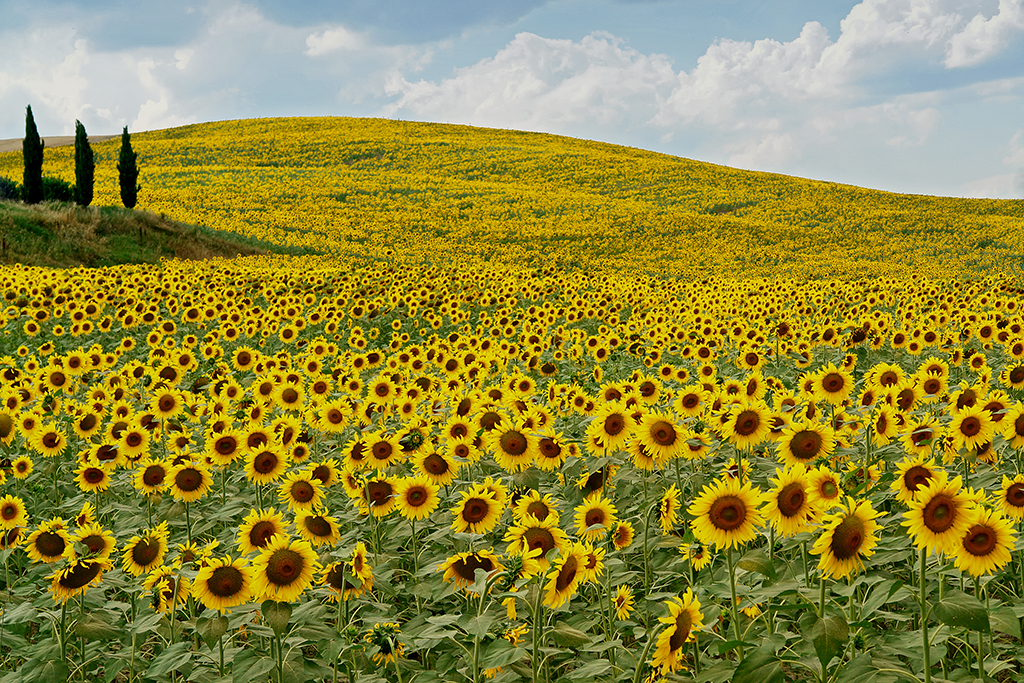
(64,632)
(415,565)
(807,570)
(981,651)
(735,604)
(821,597)
(188,523)
(538,624)
(924,620)
(81,640)
(609,601)
(280,659)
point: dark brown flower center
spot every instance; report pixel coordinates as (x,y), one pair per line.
(567,573)
(289,396)
(916,477)
(302,492)
(747,422)
(9,511)
(261,533)
(614,424)
(189,479)
(1015,494)
(80,575)
(691,401)
(940,513)
(684,622)
(94,542)
(549,448)
(970,426)
(538,509)
(466,567)
(595,516)
(488,420)
(382,450)
(513,443)
(226,445)
(284,566)
(728,513)
(379,492)
(848,537)
(416,496)
(87,422)
(154,475)
(225,582)
(145,552)
(663,433)
(980,540)
(94,475)
(475,510)
(833,382)
(318,526)
(805,444)
(436,465)
(791,499)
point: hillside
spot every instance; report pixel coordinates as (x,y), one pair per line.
(378,190)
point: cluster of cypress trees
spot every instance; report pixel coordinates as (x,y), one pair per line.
(85,166)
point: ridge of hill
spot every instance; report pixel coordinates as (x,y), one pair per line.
(423,194)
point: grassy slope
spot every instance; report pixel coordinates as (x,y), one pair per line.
(64,235)
(366,189)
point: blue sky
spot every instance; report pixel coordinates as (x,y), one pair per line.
(921,96)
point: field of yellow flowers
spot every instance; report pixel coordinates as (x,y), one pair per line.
(541,409)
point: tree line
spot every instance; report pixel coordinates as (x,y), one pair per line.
(35,187)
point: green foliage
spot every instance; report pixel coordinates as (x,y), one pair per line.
(32,151)
(85,166)
(9,189)
(57,190)
(128,172)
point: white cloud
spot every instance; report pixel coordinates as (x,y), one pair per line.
(333,40)
(993,187)
(983,37)
(1015,157)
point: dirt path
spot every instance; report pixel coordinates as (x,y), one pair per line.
(14,145)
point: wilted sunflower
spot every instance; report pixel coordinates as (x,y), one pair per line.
(142,553)
(595,512)
(258,528)
(223,584)
(77,578)
(565,577)
(318,528)
(986,545)
(726,514)
(460,569)
(416,497)
(49,542)
(300,490)
(284,569)
(788,505)
(940,514)
(848,537)
(532,534)
(684,618)
(385,638)
(477,513)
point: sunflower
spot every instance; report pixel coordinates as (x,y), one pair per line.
(77,578)
(188,482)
(824,487)
(788,505)
(266,463)
(300,490)
(971,427)
(747,425)
(142,553)
(1011,497)
(169,588)
(940,514)
(377,497)
(416,497)
(328,472)
(223,584)
(921,435)
(344,584)
(318,528)
(725,514)
(48,441)
(986,545)
(804,441)
(21,467)
(593,512)
(662,439)
(623,602)
(151,476)
(284,569)
(697,554)
(532,534)
(691,400)
(49,542)
(1012,426)
(622,535)
(383,450)
(883,427)
(684,618)
(133,440)
(611,426)
(912,474)
(513,446)
(848,537)
(97,541)
(460,569)
(668,509)
(439,468)
(92,477)
(536,505)
(13,514)
(477,513)
(565,577)
(258,528)
(224,448)
(385,638)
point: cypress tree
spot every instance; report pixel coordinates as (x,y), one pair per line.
(85,167)
(128,172)
(32,151)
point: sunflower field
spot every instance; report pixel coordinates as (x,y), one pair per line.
(478,448)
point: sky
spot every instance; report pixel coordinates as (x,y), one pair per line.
(916,96)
